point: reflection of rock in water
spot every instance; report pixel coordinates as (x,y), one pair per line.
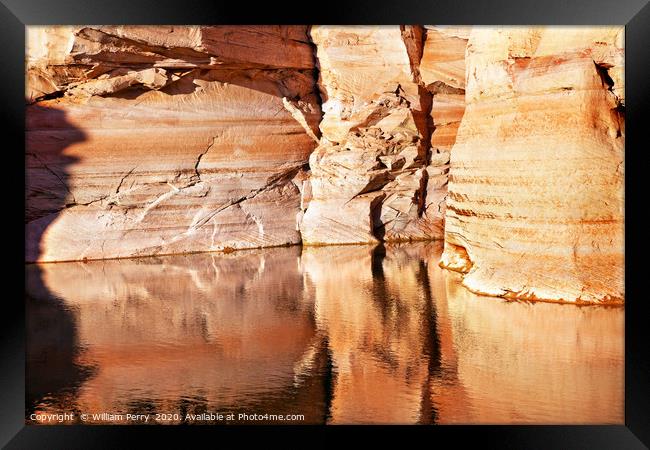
(52,345)
(349,334)
(529,363)
(371,304)
(192,332)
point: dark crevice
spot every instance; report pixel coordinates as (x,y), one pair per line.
(414,40)
(320,93)
(414,37)
(378,227)
(321,97)
(119,186)
(420,197)
(50,96)
(197,174)
(603,72)
(606,79)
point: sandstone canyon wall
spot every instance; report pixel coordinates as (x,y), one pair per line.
(535,206)
(161,140)
(154,140)
(374,175)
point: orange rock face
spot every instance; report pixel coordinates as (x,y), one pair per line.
(374,175)
(154,140)
(535,206)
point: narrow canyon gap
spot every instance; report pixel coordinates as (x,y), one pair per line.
(201,138)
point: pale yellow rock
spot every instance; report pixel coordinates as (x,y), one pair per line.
(360,67)
(535,206)
(150,140)
(443,59)
(376,133)
(188,93)
(169,157)
(74,54)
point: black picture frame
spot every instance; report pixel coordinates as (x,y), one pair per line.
(634,14)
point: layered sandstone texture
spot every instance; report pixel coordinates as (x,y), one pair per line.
(159,140)
(154,140)
(380,170)
(536,196)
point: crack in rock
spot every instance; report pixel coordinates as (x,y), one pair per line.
(197,174)
(38,158)
(273,182)
(119,186)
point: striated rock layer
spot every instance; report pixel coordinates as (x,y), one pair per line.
(155,140)
(374,175)
(535,207)
(152,140)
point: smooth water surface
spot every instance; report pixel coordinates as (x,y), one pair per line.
(340,334)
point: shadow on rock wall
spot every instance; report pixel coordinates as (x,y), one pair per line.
(51,335)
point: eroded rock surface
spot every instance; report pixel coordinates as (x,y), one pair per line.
(374,175)
(535,206)
(155,140)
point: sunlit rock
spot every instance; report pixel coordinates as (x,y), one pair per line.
(373,176)
(158,140)
(535,205)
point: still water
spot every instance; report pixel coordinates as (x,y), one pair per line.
(341,334)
